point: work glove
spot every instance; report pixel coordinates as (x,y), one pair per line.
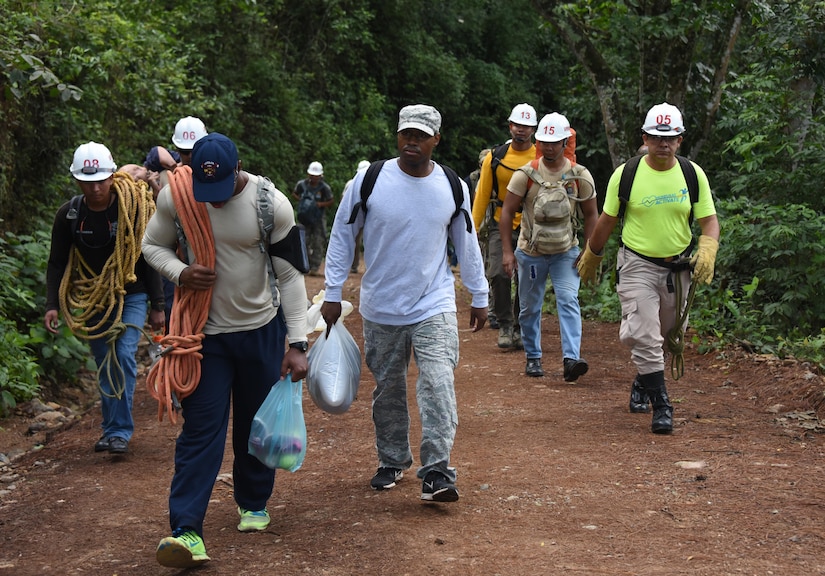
(587,264)
(704,259)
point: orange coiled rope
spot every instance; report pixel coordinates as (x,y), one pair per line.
(179,369)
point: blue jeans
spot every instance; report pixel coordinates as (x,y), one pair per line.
(532,278)
(117,412)
(387,350)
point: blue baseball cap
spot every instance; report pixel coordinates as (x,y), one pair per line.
(214,159)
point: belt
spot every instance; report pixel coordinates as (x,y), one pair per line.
(674,263)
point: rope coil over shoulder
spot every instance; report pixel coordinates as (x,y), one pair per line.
(89,301)
(178,371)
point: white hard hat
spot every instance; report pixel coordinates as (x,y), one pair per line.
(92,162)
(315,169)
(523,114)
(363,164)
(664,120)
(553,128)
(188,131)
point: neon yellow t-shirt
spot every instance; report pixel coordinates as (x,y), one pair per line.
(656,215)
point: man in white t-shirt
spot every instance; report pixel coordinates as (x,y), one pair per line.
(408,300)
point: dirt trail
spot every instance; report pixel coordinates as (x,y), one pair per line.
(554,479)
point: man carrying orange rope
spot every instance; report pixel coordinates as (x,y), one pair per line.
(243,344)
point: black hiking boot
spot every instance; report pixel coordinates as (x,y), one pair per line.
(639,400)
(654,385)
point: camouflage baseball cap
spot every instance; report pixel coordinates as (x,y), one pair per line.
(421,117)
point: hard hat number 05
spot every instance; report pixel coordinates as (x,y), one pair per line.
(663,119)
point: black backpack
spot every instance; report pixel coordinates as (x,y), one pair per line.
(308,212)
(372,175)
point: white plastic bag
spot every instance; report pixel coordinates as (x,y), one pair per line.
(334,370)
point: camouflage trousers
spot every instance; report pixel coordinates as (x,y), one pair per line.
(434,344)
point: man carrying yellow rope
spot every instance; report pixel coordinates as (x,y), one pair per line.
(100,282)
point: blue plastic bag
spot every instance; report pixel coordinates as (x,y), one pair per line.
(278,436)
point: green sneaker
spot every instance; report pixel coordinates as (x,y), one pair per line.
(253,520)
(186,550)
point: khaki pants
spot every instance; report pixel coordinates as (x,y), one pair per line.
(649,309)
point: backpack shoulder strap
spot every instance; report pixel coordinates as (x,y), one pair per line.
(692,182)
(266,223)
(266,212)
(626,183)
(367,184)
(533,174)
(73,214)
(458,196)
(499,152)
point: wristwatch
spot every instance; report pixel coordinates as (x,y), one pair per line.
(303,345)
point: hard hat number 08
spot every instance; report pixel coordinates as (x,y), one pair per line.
(91,163)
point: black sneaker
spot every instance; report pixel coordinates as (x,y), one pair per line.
(437,488)
(534,367)
(385,478)
(102,445)
(574,368)
(118,445)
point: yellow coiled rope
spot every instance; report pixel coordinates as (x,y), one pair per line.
(88,301)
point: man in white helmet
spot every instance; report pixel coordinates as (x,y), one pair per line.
(496,170)
(549,247)
(651,264)
(314,195)
(92,246)
(188,130)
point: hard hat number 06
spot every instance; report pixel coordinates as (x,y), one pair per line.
(189,135)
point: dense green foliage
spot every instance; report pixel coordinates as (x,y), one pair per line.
(295,81)
(30,356)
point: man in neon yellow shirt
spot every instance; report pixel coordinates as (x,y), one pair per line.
(656,239)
